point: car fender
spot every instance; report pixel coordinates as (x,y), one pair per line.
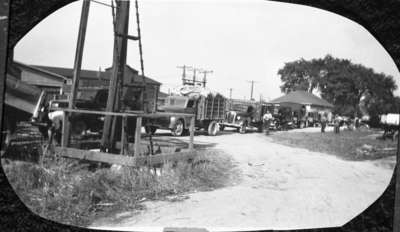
(172,122)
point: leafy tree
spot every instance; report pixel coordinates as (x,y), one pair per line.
(342,83)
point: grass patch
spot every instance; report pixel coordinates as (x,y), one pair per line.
(66,191)
(349,145)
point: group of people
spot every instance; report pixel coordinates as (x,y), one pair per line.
(338,122)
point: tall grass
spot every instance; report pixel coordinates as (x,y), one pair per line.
(349,145)
(66,191)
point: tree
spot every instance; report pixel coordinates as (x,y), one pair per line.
(344,84)
(301,75)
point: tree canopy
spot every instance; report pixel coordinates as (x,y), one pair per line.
(353,89)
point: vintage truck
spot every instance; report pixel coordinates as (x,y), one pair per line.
(48,115)
(208,109)
(245,115)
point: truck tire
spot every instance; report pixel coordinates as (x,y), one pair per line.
(178,129)
(242,128)
(260,127)
(213,128)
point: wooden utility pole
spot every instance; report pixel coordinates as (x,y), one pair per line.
(230,93)
(194,75)
(396,217)
(205,72)
(77,70)
(119,63)
(252,89)
(184,68)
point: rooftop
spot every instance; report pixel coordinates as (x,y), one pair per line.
(302,97)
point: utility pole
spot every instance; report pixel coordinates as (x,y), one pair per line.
(252,89)
(119,62)
(230,98)
(77,70)
(205,72)
(194,75)
(184,68)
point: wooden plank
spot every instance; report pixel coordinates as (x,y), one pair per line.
(218,116)
(19,103)
(212,108)
(125,113)
(191,131)
(205,108)
(124,140)
(138,131)
(396,217)
(125,160)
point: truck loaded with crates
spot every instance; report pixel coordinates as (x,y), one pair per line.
(207,106)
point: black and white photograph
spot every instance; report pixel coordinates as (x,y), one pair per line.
(224,115)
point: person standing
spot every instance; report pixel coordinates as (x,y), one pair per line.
(336,124)
(323,122)
(266,121)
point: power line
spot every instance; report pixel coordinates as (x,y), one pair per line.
(102,3)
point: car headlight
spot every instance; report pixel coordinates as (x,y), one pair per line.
(238,118)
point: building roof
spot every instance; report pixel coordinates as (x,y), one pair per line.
(162,95)
(302,97)
(36,69)
(92,74)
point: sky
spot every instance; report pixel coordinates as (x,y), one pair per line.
(239,41)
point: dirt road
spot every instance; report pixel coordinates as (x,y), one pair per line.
(282,188)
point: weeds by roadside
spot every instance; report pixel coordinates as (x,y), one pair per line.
(349,145)
(66,191)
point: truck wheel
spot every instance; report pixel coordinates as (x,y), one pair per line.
(150,130)
(213,128)
(242,129)
(260,128)
(178,128)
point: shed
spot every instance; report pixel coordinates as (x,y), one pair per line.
(302,100)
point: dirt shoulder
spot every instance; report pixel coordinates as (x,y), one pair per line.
(281,187)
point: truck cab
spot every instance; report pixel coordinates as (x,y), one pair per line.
(179,125)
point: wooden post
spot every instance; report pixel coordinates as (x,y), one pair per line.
(124,140)
(138,132)
(191,130)
(77,70)
(119,62)
(396,217)
(4,12)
